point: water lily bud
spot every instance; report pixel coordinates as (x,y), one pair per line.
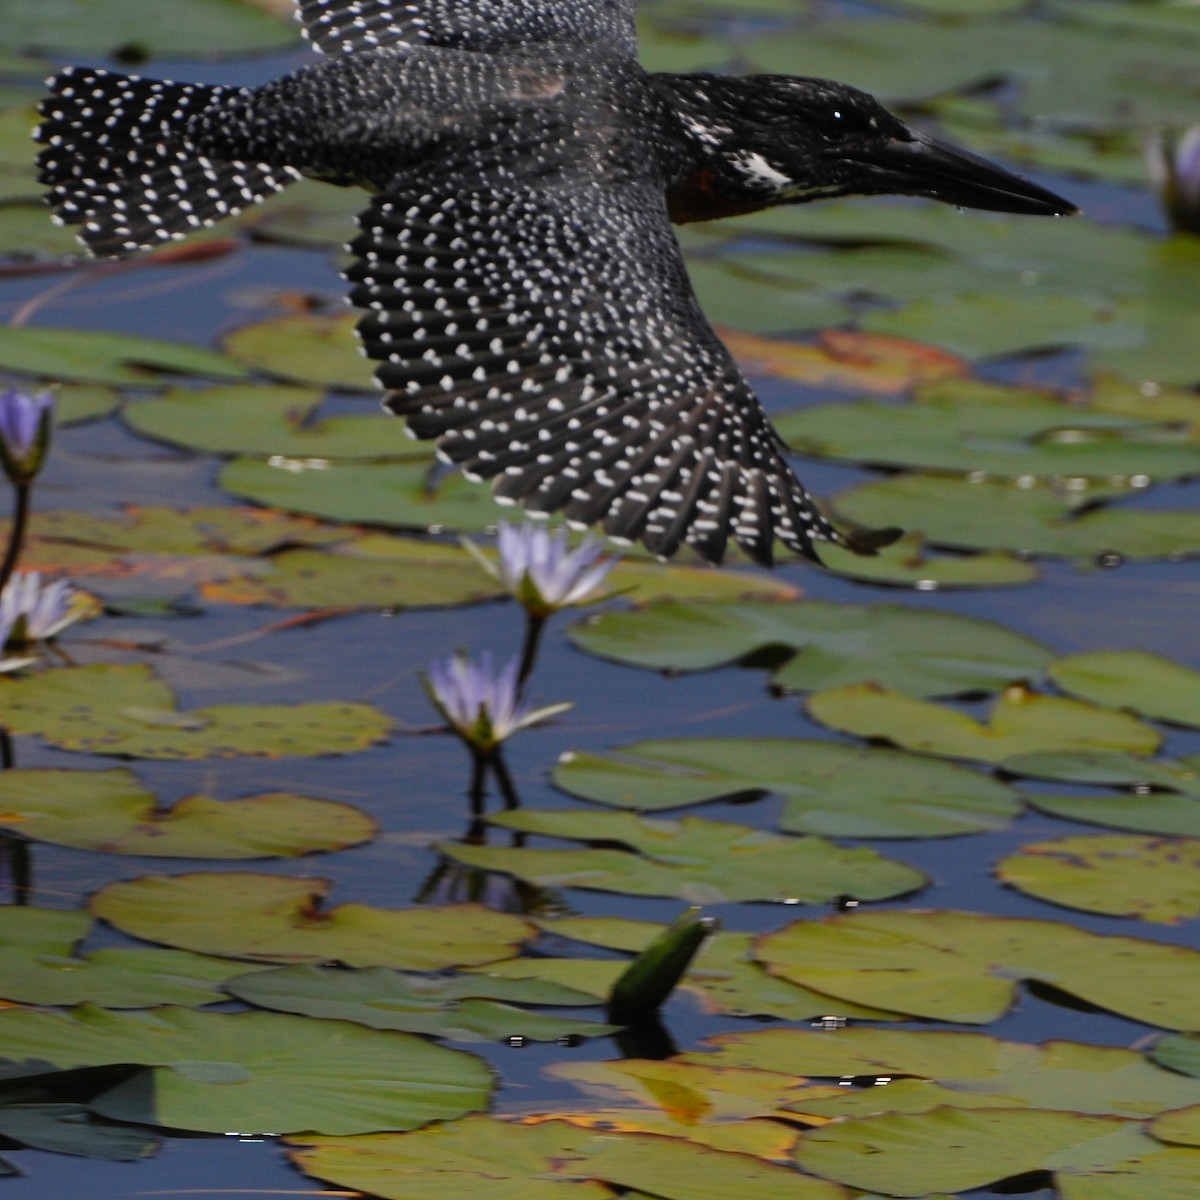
(1173,160)
(25,425)
(652,976)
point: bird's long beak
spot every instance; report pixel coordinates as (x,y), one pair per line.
(926,167)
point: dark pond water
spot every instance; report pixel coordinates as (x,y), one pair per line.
(415,784)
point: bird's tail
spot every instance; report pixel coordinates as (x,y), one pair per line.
(119,163)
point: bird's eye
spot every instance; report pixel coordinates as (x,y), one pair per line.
(842,121)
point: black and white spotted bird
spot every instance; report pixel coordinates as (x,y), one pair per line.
(525,297)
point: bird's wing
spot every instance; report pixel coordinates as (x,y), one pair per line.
(541,326)
(342,26)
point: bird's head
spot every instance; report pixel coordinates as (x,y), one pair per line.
(789,139)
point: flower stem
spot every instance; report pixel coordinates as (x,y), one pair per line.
(16,539)
(478,782)
(533,636)
(504,782)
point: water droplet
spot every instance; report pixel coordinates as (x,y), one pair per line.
(1109,559)
(846,903)
(517,1041)
(570,1040)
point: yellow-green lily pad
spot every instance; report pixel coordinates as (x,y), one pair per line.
(126,710)
(39,965)
(305,348)
(918,1070)
(278,919)
(1156,879)
(1020,722)
(111,812)
(267,420)
(902,1154)
(964,967)
(550,1160)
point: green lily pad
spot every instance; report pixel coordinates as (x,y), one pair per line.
(692,859)
(829,788)
(39,966)
(467,1008)
(551,1160)
(1112,394)
(908,563)
(26,230)
(1146,683)
(142,530)
(1110,768)
(1180,1052)
(157,28)
(1003,434)
(126,710)
(276,919)
(291,1073)
(111,812)
(905,1154)
(924,1069)
(1156,879)
(307,348)
(34,1117)
(1035,520)
(923,652)
(76,403)
(266,420)
(88,356)
(1157,812)
(403,495)
(964,967)
(308,213)
(991,326)
(1020,722)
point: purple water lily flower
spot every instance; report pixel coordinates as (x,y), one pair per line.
(481,704)
(30,612)
(1173,161)
(25,424)
(539,570)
